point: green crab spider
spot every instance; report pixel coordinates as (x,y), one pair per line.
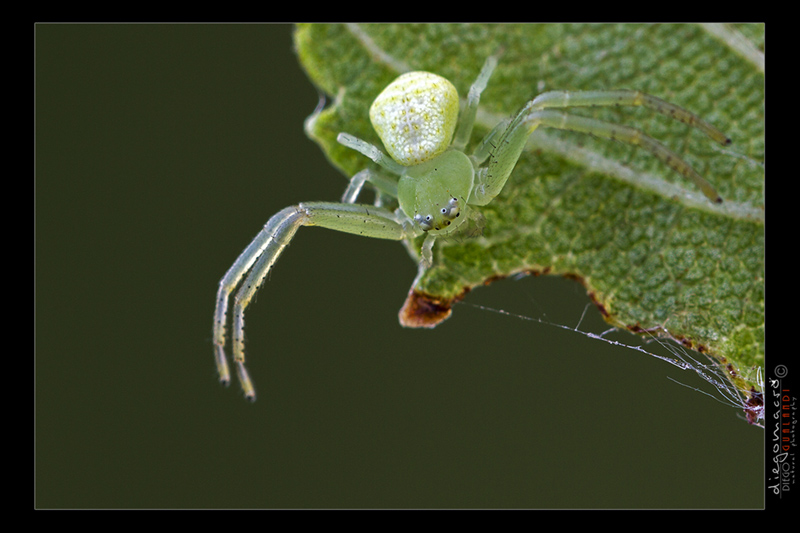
(437,185)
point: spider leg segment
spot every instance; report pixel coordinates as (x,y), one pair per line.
(467,119)
(627,98)
(356,184)
(384,186)
(259,256)
(508,143)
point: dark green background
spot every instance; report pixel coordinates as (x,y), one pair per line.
(160,151)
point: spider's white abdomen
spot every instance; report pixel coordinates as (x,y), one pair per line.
(415,116)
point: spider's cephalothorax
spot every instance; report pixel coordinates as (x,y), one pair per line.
(436,192)
(437,184)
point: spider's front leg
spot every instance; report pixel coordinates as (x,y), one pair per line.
(264,250)
(505,143)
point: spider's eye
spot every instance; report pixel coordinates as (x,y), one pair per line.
(452,210)
(423,223)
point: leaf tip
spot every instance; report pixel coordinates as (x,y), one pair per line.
(423,311)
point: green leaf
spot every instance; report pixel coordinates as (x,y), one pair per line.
(654,255)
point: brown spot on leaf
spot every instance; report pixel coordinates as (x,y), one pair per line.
(424,311)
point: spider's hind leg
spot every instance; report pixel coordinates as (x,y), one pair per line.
(505,146)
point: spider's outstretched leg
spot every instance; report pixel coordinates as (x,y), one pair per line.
(265,249)
(507,144)
(626,97)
